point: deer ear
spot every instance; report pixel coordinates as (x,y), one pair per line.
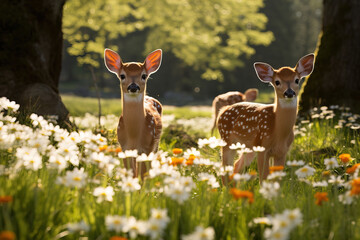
(264,71)
(251,94)
(112,61)
(305,65)
(153,61)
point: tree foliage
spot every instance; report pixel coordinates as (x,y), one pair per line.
(210,36)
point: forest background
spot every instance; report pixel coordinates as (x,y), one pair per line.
(209,46)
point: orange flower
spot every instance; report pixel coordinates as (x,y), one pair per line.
(7,235)
(352,169)
(237,193)
(190,160)
(103,148)
(326,173)
(253,173)
(345,157)
(117,238)
(176,161)
(321,197)
(6,199)
(118,149)
(177,151)
(276,168)
(355,190)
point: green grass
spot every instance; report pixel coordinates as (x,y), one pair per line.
(41,206)
(78,106)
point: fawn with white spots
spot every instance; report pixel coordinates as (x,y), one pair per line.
(140,123)
(267,125)
(230,98)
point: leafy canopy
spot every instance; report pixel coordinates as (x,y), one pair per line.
(210,36)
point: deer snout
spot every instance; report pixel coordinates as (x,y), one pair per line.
(133,88)
(289,93)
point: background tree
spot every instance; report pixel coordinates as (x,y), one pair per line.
(180,80)
(336,79)
(30,54)
(210,36)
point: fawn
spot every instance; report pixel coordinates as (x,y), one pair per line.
(140,122)
(230,98)
(267,125)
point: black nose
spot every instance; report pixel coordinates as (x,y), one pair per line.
(289,93)
(133,88)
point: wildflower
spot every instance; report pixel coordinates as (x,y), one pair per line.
(305,171)
(320,184)
(57,161)
(134,227)
(330,163)
(178,188)
(115,223)
(144,158)
(100,159)
(130,184)
(210,179)
(200,234)
(103,148)
(321,197)
(191,153)
(29,158)
(262,220)
(177,151)
(295,163)
(78,227)
(278,234)
(117,238)
(241,177)
(276,169)
(104,194)
(294,217)
(336,180)
(237,146)
(276,175)
(346,198)
(175,161)
(353,168)
(355,184)
(157,223)
(6,199)
(345,158)
(237,193)
(190,160)
(7,235)
(258,149)
(75,178)
(212,142)
(326,173)
(269,190)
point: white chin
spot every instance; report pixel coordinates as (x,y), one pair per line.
(288,102)
(133,97)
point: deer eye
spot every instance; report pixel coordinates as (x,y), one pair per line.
(122,76)
(143,76)
(277,82)
(297,81)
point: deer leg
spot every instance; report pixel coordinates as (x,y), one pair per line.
(227,160)
(244,161)
(263,165)
(143,168)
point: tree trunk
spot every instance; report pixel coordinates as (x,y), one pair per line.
(30,55)
(336,76)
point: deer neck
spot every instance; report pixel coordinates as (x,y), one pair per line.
(133,113)
(285,116)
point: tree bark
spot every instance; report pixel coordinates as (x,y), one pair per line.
(336,76)
(30,55)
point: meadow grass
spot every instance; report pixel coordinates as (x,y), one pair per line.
(42,196)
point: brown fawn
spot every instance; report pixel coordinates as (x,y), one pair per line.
(267,125)
(230,98)
(140,122)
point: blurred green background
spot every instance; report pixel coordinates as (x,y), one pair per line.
(209,46)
